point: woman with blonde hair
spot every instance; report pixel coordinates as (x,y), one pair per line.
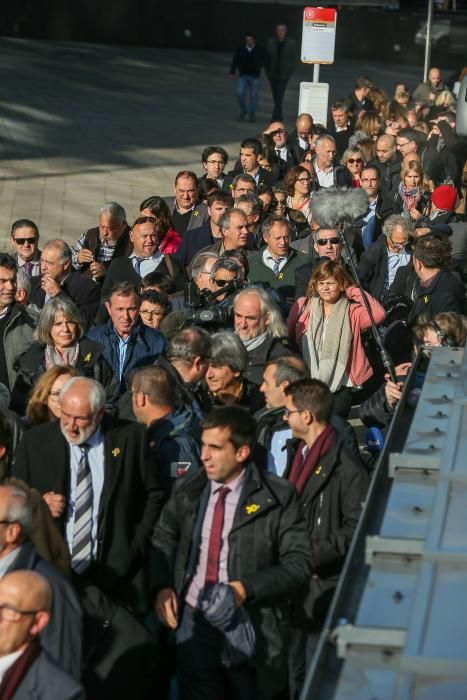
(411,199)
(354,161)
(43,405)
(326,325)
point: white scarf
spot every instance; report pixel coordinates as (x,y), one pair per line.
(328,357)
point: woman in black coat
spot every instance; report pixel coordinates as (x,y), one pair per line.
(60,341)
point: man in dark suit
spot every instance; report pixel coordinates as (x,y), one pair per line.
(58,279)
(287,155)
(25,238)
(61,638)
(281,60)
(186,213)
(341,126)
(248,164)
(214,160)
(234,526)
(145,258)
(300,137)
(26,669)
(99,486)
(206,235)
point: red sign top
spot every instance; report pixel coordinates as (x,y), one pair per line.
(319,14)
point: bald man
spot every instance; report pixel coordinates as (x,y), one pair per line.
(388,162)
(301,135)
(287,154)
(61,638)
(26,671)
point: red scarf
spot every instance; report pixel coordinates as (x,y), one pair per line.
(303,467)
(17,671)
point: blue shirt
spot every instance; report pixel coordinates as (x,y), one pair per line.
(122,347)
(277,455)
(96,464)
(147,264)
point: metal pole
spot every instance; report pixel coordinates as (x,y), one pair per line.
(316,67)
(429,24)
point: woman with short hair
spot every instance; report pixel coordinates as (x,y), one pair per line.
(59,341)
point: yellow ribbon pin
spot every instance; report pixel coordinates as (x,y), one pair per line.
(254,508)
(318,471)
(116,452)
(87,357)
(426,299)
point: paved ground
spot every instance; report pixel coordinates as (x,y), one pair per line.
(81,124)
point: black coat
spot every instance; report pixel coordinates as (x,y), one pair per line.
(122,270)
(270,349)
(373,266)
(269,552)
(332,502)
(130,502)
(91,363)
(194,241)
(445,293)
(76,288)
(61,639)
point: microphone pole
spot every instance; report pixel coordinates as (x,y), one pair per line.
(385,356)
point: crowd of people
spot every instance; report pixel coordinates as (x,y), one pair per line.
(179,480)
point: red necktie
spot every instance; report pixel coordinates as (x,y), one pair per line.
(215,539)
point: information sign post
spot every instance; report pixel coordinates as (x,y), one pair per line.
(318,42)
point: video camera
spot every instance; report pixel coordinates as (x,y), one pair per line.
(202,310)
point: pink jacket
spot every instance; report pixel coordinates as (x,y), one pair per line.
(358,367)
(170,242)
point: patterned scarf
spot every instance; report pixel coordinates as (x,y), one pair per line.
(68,358)
(410,197)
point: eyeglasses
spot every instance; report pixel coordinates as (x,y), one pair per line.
(145,220)
(288,413)
(7,522)
(23,241)
(304,179)
(11,614)
(399,246)
(221,283)
(354,160)
(402,144)
(280,203)
(150,314)
(324,241)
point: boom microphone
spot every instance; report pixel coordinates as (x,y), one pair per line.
(333,208)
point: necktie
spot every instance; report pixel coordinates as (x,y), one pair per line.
(278,151)
(367,230)
(81,551)
(28,268)
(138,262)
(276,265)
(215,539)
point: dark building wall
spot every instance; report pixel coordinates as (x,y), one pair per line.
(365,33)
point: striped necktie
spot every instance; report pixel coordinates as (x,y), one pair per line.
(81,551)
(138,262)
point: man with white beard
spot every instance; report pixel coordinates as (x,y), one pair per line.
(100,486)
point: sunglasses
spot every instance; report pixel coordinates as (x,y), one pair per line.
(145,220)
(222,283)
(324,241)
(354,160)
(22,241)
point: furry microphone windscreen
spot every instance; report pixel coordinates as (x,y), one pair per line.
(331,208)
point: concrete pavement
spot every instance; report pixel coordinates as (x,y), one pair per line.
(81,124)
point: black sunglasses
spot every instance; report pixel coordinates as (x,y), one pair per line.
(144,220)
(22,241)
(334,240)
(222,283)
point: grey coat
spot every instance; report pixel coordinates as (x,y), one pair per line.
(17,337)
(44,680)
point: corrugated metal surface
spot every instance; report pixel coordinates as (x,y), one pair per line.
(398,629)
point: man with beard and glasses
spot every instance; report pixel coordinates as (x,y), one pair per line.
(100,487)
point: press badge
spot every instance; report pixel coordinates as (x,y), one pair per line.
(179,469)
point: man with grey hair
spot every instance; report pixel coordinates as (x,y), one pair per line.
(59,279)
(275,265)
(97,247)
(243,184)
(101,489)
(380,262)
(259,325)
(234,232)
(328,173)
(61,639)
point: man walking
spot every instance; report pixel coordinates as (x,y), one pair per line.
(281,60)
(248,59)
